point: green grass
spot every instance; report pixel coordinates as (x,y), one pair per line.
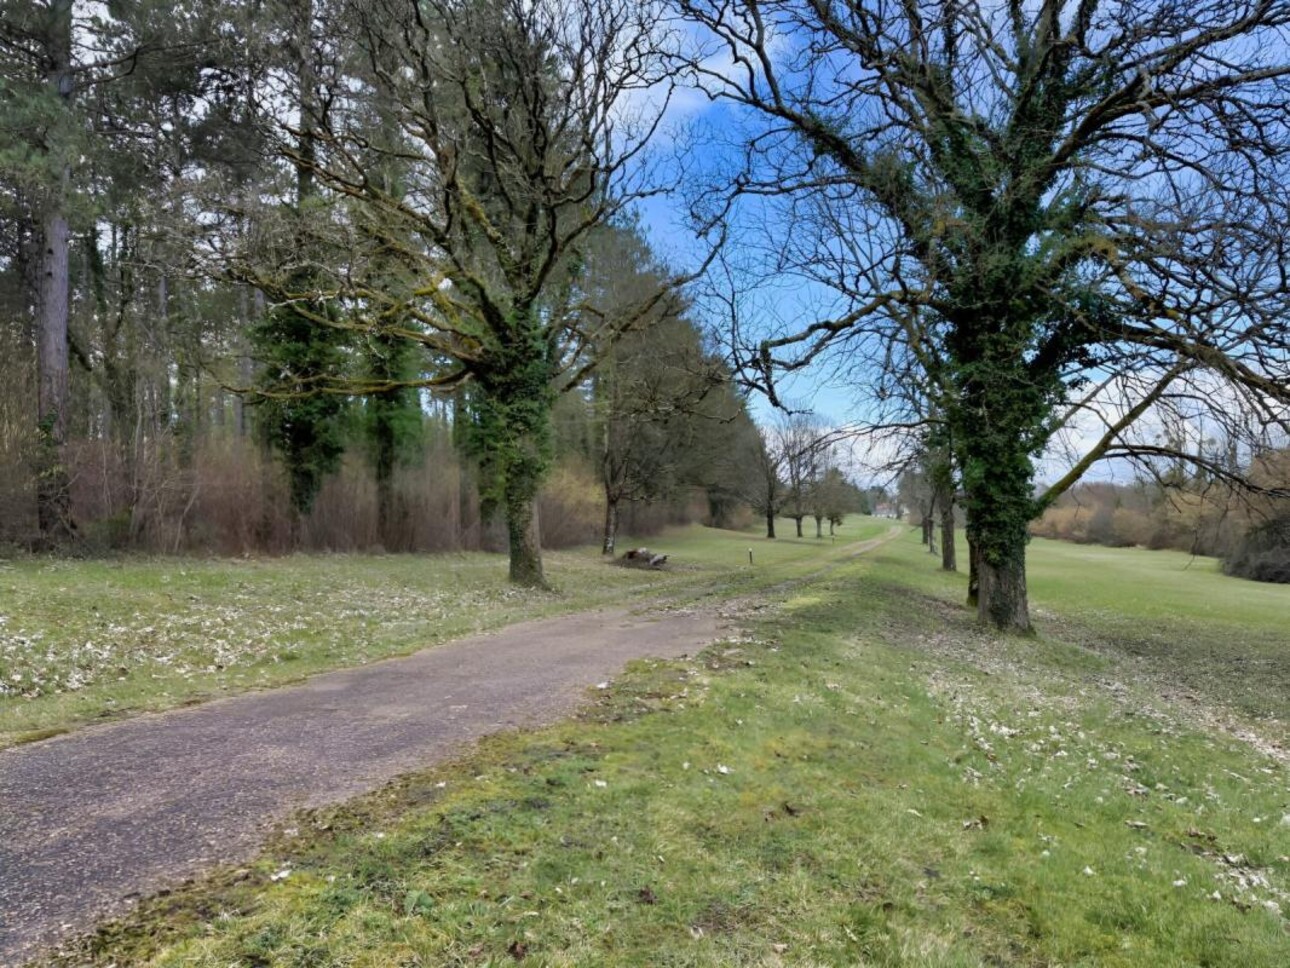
(861,778)
(1148,604)
(83,641)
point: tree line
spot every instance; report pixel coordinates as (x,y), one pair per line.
(340,229)
(244,238)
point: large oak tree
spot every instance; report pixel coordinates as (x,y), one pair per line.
(1022,198)
(517,129)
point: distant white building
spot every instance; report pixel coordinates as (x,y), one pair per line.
(887,511)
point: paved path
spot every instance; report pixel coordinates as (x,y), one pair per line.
(92,820)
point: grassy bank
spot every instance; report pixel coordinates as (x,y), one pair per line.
(81,641)
(862,778)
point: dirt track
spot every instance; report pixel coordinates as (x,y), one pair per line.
(90,821)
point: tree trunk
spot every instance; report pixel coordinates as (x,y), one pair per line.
(819,526)
(1002,600)
(949,560)
(770,524)
(384,457)
(521,530)
(611,525)
(995,427)
(385,504)
(53,499)
(974,573)
(798,521)
(1000,506)
(241,418)
(517,409)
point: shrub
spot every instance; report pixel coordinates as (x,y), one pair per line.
(1263,553)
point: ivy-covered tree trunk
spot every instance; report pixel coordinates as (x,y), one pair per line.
(1002,599)
(512,435)
(522,529)
(1001,418)
(998,531)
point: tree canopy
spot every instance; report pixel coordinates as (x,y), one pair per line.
(1014,203)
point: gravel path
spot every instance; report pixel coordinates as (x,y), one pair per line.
(93,820)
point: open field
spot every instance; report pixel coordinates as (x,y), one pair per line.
(864,777)
(81,641)
(1164,616)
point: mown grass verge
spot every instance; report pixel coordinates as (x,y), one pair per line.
(83,641)
(862,778)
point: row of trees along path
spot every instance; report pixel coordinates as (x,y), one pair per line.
(1017,214)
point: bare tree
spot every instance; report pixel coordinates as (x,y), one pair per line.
(765,489)
(802,445)
(1027,199)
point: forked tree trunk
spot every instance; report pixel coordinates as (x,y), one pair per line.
(611,526)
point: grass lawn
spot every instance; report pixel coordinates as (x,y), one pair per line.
(863,777)
(82,641)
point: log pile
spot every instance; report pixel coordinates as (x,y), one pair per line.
(643,558)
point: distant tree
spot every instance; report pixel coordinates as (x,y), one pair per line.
(765,490)
(802,446)
(833,498)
